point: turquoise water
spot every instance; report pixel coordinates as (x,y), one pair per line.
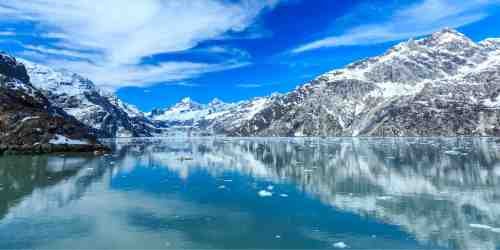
(256,194)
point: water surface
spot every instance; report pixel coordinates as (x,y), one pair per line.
(257,194)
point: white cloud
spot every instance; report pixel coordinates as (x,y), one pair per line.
(123,33)
(114,77)
(43,50)
(7,33)
(419,19)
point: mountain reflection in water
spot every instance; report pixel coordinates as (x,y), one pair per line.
(203,193)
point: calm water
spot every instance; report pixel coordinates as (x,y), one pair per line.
(257,194)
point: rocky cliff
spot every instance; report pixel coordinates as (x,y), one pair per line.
(30,123)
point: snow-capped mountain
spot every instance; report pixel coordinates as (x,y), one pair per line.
(78,96)
(214,118)
(441,85)
(444,84)
(29,122)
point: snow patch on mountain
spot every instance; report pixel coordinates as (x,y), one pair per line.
(80,98)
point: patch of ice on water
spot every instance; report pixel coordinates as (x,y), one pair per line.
(452,152)
(284,195)
(384,198)
(270,187)
(340,245)
(485,227)
(265,193)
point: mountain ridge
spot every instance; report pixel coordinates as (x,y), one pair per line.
(78,96)
(378,96)
(29,123)
(444,84)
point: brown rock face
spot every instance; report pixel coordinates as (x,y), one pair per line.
(29,123)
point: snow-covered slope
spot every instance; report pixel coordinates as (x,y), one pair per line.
(215,118)
(444,84)
(78,96)
(29,122)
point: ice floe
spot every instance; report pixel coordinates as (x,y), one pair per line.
(340,245)
(265,193)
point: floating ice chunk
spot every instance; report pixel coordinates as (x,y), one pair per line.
(222,187)
(278,236)
(228,180)
(384,198)
(270,187)
(340,245)
(284,195)
(452,152)
(485,227)
(265,193)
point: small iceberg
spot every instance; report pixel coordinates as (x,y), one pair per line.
(452,152)
(485,227)
(265,193)
(340,245)
(384,198)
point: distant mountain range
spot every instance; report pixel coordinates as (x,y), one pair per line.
(441,85)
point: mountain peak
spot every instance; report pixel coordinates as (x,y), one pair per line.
(187,104)
(491,43)
(11,67)
(187,100)
(449,38)
(216,102)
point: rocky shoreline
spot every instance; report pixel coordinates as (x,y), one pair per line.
(51,149)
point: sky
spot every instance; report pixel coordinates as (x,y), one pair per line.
(152,53)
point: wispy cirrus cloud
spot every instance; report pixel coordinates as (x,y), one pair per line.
(109,41)
(7,33)
(418,19)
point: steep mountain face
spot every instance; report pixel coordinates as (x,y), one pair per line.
(29,122)
(76,95)
(442,85)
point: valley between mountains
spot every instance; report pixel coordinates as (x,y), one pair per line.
(441,85)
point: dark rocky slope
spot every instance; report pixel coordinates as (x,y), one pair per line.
(79,97)
(28,121)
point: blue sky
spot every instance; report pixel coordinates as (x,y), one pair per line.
(154,52)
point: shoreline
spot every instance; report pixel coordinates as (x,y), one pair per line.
(52,148)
